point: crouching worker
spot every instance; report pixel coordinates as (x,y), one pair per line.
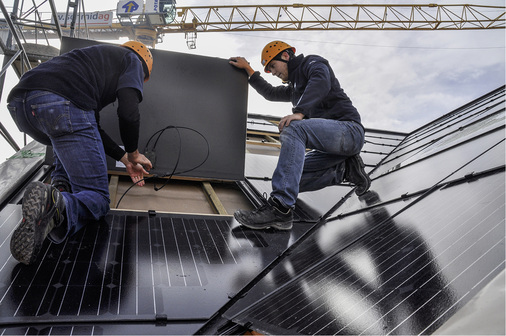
(57,103)
(323,119)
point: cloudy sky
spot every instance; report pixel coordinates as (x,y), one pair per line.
(398,80)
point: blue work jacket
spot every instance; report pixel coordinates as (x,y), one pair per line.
(312,88)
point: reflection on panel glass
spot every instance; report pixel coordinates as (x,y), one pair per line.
(401,274)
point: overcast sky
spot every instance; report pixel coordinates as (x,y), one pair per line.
(398,80)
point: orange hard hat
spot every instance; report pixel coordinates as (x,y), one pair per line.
(144,53)
(271,50)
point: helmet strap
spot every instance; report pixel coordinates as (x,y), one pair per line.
(278,58)
(290,56)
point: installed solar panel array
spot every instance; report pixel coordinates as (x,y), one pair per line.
(407,255)
(401,259)
(132,273)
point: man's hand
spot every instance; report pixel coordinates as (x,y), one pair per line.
(136,157)
(241,63)
(285,121)
(136,165)
(136,172)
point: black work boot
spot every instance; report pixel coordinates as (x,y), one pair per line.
(43,209)
(355,173)
(270,215)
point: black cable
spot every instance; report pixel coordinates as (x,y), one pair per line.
(177,161)
(207,154)
(156,142)
(144,179)
(180,145)
(174,172)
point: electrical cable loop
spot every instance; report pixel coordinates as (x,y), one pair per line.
(158,134)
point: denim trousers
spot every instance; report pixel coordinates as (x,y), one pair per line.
(330,143)
(78,150)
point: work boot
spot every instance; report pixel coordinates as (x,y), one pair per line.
(270,215)
(355,173)
(43,209)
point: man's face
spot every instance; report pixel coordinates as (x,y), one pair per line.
(278,69)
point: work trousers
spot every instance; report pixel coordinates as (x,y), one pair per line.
(78,149)
(330,141)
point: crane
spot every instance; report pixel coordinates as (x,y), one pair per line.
(302,17)
(155,18)
(336,17)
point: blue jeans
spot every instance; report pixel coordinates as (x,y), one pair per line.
(78,149)
(330,141)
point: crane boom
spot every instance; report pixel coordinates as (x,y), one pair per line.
(336,17)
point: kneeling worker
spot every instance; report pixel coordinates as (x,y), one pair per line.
(323,119)
(58,103)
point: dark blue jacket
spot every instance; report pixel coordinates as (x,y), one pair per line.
(312,88)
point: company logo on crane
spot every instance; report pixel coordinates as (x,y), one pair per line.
(130,6)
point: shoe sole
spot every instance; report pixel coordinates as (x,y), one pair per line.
(282,226)
(28,237)
(276,225)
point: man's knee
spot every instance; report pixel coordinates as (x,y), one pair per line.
(293,131)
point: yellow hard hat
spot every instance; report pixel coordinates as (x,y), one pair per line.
(143,51)
(271,50)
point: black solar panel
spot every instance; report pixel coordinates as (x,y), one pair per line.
(403,273)
(407,255)
(167,273)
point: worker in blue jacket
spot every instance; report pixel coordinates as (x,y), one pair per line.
(57,103)
(323,119)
